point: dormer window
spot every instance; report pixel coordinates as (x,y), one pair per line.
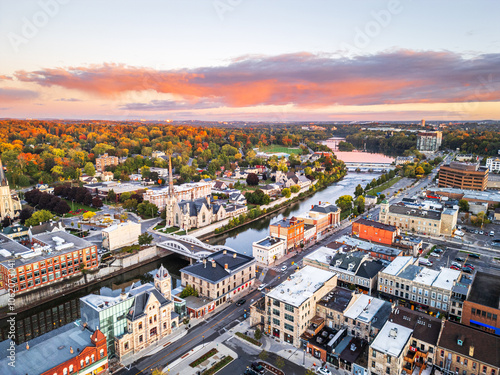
(460,342)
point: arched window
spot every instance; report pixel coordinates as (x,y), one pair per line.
(93,358)
(65,371)
(177,219)
(101,353)
(81,363)
(203,217)
(87,360)
(70,369)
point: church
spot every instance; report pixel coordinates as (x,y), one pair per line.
(9,205)
(193,213)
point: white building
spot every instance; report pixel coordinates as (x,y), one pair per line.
(184,192)
(269,249)
(120,235)
(493,164)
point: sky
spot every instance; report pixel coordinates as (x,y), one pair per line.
(250,60)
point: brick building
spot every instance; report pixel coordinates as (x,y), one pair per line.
(468,176)
(374,231)
(105,160)
(466,350)
(291,230)
(51,258)
(482,307)
(324,216)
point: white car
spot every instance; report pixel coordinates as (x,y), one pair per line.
(261,287)
(323,371)
(436,255)
(284,268)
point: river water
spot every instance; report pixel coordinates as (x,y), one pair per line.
(46,317)
(241,239)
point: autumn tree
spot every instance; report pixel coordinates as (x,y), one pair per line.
(252,179)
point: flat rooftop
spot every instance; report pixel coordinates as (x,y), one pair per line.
(391,339)
(486,290)
(414,212)
(398,264)
(322,255)
(337,299)
(367,246)
(302,286)
(364,308)
(269,241)
(47,351)
(376,224)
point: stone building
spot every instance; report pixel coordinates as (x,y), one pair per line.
(9,203)
(120,235)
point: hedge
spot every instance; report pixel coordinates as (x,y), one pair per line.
(204,357)
(219,365)
(248,338)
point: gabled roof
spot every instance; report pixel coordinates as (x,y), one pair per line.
(142,300)
(325,208)
(348,261)
(162,273)
(425,327)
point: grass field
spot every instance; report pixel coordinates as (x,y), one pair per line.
(277,148)
(76,206)
(384,186)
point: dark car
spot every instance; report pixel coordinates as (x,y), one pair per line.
(241,302)
(468,265)
(467,270)
(439,251)
(472,255)
(249,371)
(459,259)
(257,367)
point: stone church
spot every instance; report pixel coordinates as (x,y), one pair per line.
(9,204)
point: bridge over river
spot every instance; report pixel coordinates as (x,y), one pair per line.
(189,246)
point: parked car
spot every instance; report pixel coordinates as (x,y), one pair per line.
(425,262)
(455,268)
(467,270)
(481,232)
(469,265)
(284,268)
(435,255)
(262,287)
(439,251)
(473,255)
(257,367)
(241,302)
(249,371)
(492,233)
(324,371)
(456,264)
(459,259)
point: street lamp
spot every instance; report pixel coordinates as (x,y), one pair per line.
(203,341)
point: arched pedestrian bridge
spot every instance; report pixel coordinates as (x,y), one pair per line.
(189,246)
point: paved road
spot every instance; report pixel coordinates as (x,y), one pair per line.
(210,329)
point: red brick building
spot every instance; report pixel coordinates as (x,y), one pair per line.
(52,257)
(374,231)
(291,230)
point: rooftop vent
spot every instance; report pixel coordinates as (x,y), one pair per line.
(393,333)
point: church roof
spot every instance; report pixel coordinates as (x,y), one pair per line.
(162,273)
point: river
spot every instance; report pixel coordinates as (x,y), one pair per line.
(63,310)
(241,239)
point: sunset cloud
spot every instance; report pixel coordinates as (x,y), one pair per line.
(302,79)
(8,94)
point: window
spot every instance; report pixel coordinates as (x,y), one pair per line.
(140,338)
(288,308)
(388,359)
(388,370)
(288,327)
(101,353)
(126,346)
(276,321)
(140,325)
(87,360)
(374,354)
(458,359)
(70,369)
(373,363)
(93,358)
(289,317)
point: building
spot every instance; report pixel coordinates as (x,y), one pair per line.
(9,203)
(101,189)
(429,141)
(493,164)
(374,250)
(150,317)
(401,160)
(374,231)
(370,200)
(333,143)
(387,351)
(424,339)
(52,257)
(467,350)
(16,232)
(416,286)
(222,276)
(422,123)
(269,249)
(157,154)
(70,349)
(291,230)
(105,160)
(466,157)
(496,216)
(493,181)
(119,235)
(471,196)
(291,306)
(482,308)
(189,191)
(415,220)
(469,176)
(107,176)
(117,316)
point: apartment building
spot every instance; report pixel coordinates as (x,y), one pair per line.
(290,307)
(429,141)
(415,220)
(291,230)
(469,176)
(323,216)
(221,276)
(416,286)
(105,160)
(493,164)
(52,257)
(269,249)
(467,350)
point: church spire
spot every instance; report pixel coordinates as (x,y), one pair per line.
(170,176)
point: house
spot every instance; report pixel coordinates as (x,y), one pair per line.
(219,185)
(88,179)
(237,198)
(270,189)
(370,200)
(269,249)
(107,176)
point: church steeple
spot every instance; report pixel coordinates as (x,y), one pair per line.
(3,180)
(170,177)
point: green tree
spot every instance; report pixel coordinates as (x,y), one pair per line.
(263,355)
(463,205)
(258,334)
(130,204)
(359,191)
(89,169)
(111,196)
(188,291)
(360,203)
(147,209)
(280,362)
(145,238)
(39,217)
(125,196)
(295,189)
(286,192)
(344,202)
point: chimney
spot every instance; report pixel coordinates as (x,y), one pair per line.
(213,264)
(123,296)
(225,266)
(471,351)
(71,349)
(320,203)
(224,252)
(204,262)
(27,346)
(234,255)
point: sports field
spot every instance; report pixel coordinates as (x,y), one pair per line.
(272,149)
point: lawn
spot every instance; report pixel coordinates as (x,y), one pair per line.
(277,148)
(384,186)
(77,208)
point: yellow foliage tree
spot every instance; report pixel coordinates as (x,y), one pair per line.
(87,215)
